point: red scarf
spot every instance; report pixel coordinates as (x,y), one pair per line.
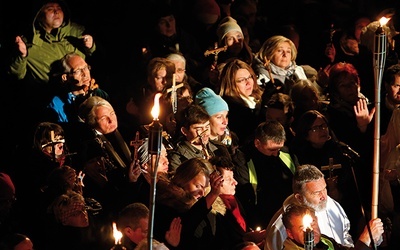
(232,205)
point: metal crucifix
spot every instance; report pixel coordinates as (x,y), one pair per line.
(136,144)
(215,52)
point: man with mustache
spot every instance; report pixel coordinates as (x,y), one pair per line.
(309,189)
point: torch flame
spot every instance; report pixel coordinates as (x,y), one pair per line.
(307,220)
(117,234)
(383,20)
(156,108)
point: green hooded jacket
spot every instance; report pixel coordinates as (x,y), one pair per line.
(46,48)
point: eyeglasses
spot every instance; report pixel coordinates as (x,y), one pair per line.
(323,126)
(179,70)
(78,72)
(244,79)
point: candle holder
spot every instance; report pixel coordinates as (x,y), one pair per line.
(155,140)
(118,247)
(308,239)
(155,137)
(308,233)
(379,59)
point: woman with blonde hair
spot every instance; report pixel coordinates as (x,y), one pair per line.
(238,87)
(275,65)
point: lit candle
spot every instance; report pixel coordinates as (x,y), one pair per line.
(308,232)
(155,128)
(117,236)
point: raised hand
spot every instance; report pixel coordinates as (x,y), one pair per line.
(363,115)
(88,41)
(134,171)
(173,235)
(21,46)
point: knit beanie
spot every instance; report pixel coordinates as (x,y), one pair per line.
(210,101)
(226,25)
(7,189)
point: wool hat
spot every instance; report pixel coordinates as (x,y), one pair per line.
(7,188)
(210,101)
(226,25)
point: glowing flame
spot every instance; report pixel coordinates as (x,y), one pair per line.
(156,108)
(258,228)
(307,220)
(383,20)
(117,234)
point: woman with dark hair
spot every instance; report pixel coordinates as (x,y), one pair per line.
(190,194)
(316,144)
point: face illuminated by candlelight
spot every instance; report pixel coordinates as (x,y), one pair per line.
(282,56)
(197,186)
(193,176)
(245,82)
(197,129)
(218,123)
(229,185)
(295,227)
(314,194)
(106,119)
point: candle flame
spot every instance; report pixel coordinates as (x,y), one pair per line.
(258,228)
(307,220)
(156,108)
(117,234)
(383,20)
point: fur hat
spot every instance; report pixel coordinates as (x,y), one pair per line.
(7,188)
(226,25)
(210,101)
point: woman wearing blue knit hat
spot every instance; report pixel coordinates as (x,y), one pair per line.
(218,110)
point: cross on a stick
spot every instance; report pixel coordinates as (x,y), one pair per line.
(331,167)
(136,144)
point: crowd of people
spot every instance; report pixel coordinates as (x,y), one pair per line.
(263,122)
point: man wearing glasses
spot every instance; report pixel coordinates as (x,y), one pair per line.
(76,86)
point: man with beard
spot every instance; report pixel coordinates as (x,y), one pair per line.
(293,219)
(309,189)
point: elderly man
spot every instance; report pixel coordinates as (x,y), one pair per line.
(309,189)
(293,220)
